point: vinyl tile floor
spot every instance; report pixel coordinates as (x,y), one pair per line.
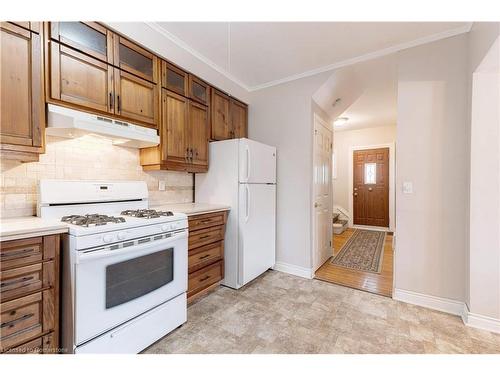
(280,313)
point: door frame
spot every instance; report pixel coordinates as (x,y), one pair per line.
(392,191)
(318,120)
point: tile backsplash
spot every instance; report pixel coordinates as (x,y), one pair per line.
(85,158)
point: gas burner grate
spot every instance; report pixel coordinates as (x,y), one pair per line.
(91,220)
(146,214)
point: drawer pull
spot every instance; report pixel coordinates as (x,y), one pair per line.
(12,323)
(206,221)
(205,278)
(205,236)
(204,256)
(17,281)
(15,254)
(18,333)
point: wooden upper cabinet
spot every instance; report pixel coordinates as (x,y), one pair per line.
(136,98)
(79,79)
(22,108)
(130,57)
(174,78)
(239,119)
(174,136)
(199,90)
(198,134)
(33,26)
(88,37)
(220,116)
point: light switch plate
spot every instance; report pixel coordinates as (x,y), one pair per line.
(162,185)
(408,187)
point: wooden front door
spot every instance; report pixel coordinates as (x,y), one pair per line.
(371,187)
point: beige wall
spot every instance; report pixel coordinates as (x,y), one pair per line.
(282,116)
(86,158)
(343,143)
(432,154)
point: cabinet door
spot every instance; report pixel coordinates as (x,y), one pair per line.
(88,37)
(174,79)
(198,133)
(136,98)
(134,59)
(199,90)
(220,116)
(239,119)
(174,136)
(22,107)
(79,79)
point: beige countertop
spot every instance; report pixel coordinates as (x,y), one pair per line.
(192,208)
(29,226)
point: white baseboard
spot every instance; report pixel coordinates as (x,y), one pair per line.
(446,305)
(294,270)
(480,321)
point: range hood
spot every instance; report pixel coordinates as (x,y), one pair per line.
(68,123)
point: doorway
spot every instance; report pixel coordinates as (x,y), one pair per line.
(371,187)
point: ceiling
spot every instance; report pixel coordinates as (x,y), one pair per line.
(261,54)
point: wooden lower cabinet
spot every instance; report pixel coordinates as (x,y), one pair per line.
(206,253)
(22,107)
(29,295)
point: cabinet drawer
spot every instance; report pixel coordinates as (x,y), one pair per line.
(39,345)
(205,255)
(206,236)
(21,322)
(18,253)
(205,277)
(207,220)
(23,280)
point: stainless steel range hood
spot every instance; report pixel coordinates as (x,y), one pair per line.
(68,123)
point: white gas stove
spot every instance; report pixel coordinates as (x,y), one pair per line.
(124,265)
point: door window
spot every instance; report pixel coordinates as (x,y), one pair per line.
(136,277)
(370,173)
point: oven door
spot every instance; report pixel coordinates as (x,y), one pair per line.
(114,286)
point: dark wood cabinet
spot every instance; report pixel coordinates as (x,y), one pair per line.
(239,119)
(205,253)
(220,116)
(80,80)
(135,98)
(29,295)
(22,107)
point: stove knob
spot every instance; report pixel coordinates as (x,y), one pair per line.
(122,235)
(107,238)
(165,227)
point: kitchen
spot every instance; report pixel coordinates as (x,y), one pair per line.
(110,126)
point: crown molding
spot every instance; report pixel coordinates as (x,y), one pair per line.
(362,58)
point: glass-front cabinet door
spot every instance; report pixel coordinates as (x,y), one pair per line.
(136,60)
(174,79)
(88,37)
(199,90)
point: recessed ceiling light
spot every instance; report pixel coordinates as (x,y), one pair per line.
(340,121)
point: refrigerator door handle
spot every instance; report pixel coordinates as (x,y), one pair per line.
(248,162)
(247,210)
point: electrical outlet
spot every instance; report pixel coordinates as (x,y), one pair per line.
(162,186)
(408,187)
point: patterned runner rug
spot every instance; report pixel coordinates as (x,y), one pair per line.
(362,252)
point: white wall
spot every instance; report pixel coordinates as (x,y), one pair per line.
(343,143)
(483,285)
(282,116)
(432,154)
(161,45)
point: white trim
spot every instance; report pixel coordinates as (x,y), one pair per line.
(368,56)
(480,321)
(446,305)
(392,181)
(368,227)
(294,270)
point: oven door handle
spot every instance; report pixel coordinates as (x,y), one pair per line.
(137,249)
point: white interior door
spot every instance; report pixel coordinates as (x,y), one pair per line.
(322,193)
(257,226)
(257,162)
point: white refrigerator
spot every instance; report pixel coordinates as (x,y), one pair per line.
(242,175)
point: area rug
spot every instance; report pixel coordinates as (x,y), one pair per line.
(363,251)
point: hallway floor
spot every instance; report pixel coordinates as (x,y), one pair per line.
(280,313)
(378,283)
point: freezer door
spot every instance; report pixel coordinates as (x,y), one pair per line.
(257,227)
(257,162)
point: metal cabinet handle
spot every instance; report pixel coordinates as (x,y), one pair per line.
(204,256)
(118,103)
(17,281)
(187,155)
(205,236)
(12,323)
(110,101)
(205,278)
